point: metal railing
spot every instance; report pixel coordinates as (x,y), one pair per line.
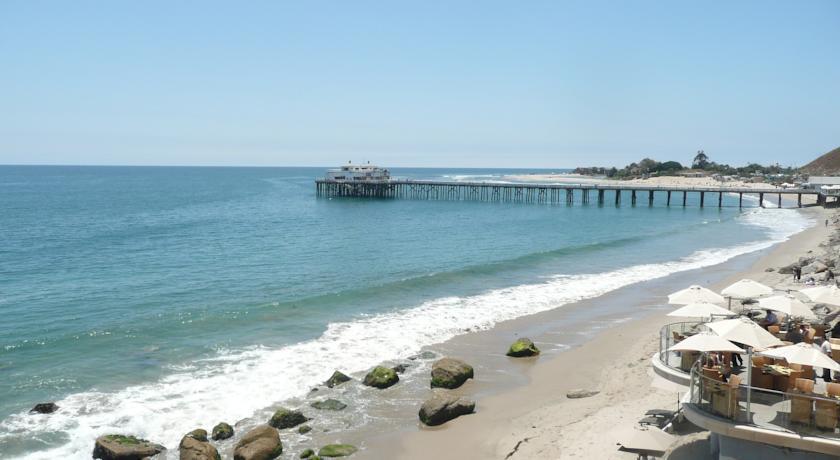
(673,359)
(805,414)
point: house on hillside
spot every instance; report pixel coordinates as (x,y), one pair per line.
(818,182)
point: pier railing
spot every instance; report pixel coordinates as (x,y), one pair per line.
(551,193)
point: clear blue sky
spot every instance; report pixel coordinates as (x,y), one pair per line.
(484,83)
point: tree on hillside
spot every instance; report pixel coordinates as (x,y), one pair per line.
(701,160)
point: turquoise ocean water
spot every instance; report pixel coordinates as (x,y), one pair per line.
(148,299)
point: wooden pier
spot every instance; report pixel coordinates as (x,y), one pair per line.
(552,193)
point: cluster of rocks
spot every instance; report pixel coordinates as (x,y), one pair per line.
(263,442)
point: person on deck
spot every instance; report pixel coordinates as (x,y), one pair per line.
(795,335)
(770,319)
(829,275)
(797,274)
(825,347)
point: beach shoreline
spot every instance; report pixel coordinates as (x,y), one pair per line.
(532,418)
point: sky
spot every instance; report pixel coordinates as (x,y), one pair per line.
(534,84)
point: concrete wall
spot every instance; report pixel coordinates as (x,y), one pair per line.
(726,448)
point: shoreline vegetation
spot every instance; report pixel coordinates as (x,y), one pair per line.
(701,166)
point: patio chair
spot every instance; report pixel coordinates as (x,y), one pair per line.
(725,400)
(677,337)
(773,330)
(801,403)
(825,413)
(761,380)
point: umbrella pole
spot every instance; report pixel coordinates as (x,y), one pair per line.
(749,382)
(729,306)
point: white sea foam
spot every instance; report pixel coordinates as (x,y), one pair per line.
(237,384)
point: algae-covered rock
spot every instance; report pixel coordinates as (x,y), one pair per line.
(307,453)
(337,379)
(121,447)
(286,418)
(193,448)
(522,348)
(261,443)
(198,434)
(328,404)
(381,377)
(303,429)
(443,407)
(337,450)
(450,373)
(222,431)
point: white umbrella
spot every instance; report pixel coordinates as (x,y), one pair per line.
(823,294)
(804,354)
(705,343)
(788,305)
(743,330)
(650,440)
(694,294)
(747,289)
(746,331)
(700,310)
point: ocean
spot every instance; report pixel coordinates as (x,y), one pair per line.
(153,300)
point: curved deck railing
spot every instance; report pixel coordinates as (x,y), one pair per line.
(805,414)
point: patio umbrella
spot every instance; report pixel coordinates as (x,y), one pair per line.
(747,289)
(700,310)
(695,294)
(804,354)
(706,342)
(823,294)
(746,331)
(650,441)
(743,330)
(788,305)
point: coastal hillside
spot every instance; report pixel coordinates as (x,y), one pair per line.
(828,164)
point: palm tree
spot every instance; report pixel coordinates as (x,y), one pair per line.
(701,160)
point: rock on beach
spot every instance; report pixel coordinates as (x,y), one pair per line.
(121,447)
(444,407)
(450,373)
(261,443)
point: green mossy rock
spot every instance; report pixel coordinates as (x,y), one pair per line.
(337,379)
(337,450)
(303,429)
(286,418)
(199,434)
(381,377)
(307,453)
(450,373)
(329,404)
(222,431)
(121,447)
(523,348)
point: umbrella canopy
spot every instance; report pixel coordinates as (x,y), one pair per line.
(743,330)
(700,310)
(788,305)
(804,354)
(747,289)
(694,294)
(706,342)
(649,440)
(823,294)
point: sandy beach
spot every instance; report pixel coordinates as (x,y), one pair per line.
(535,419)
